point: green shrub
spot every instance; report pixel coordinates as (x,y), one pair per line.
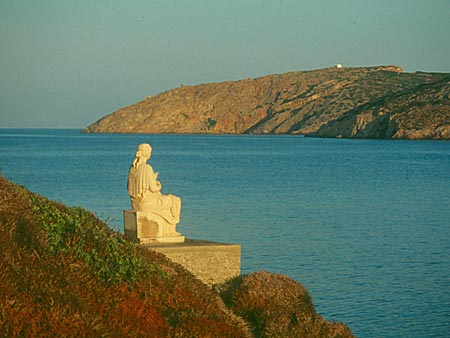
(210,123)
(74,230)
(276,306)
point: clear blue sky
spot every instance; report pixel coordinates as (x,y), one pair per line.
(68,63)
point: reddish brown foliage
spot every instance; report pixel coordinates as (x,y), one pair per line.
(277,306)
(55,291)
(50,284)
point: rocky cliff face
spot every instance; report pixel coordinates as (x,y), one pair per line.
(369,102)
(422,112)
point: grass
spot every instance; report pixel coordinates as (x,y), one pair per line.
(64,273)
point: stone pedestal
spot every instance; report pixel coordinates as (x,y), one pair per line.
(211,262)
(145,227)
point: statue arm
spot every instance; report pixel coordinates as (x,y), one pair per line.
(154,184)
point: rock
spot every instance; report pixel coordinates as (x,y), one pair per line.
(364,102)
(422,112)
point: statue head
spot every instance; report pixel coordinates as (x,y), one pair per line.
(143,153)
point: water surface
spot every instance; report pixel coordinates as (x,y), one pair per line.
(363,224)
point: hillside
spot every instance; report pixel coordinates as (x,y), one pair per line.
(297,103)
(64,273)
(419,113)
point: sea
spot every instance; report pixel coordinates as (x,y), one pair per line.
(364,225)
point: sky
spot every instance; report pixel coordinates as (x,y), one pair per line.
(65,64)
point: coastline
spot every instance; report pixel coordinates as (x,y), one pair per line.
(58,253)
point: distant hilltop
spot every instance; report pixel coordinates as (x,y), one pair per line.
(363,102)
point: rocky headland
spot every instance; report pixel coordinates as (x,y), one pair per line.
(65,273)
(363,102)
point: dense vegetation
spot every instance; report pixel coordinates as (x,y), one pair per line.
(276,306)
(63,272)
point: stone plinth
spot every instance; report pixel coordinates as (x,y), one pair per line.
(211,262)
(145,227)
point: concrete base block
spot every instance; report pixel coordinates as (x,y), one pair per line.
(144,227)
(211,262)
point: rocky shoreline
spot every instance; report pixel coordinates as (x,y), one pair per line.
(363,102)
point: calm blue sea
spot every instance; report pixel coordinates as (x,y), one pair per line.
(363,224)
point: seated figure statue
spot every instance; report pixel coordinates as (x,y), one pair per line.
(145,193)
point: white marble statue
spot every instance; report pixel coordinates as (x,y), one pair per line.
(145,192)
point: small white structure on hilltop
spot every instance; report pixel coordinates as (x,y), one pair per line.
(339,66)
